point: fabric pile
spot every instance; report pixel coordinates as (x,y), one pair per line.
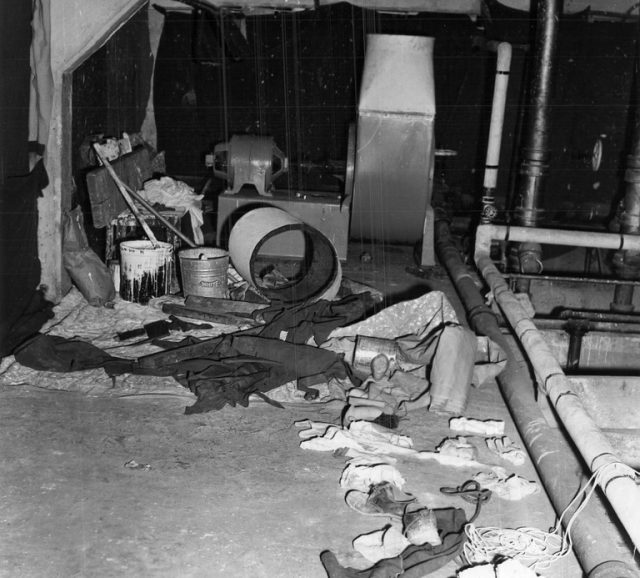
(177,195)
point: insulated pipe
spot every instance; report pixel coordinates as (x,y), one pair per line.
(503,68)
(535,149)
(557,465)
(618,486)
(486,233)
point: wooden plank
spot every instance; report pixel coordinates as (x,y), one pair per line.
(106,201)
(221,318)
(217,305)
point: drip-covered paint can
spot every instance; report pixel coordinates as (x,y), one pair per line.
(145,270)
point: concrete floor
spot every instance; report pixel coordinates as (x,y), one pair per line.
(228,493)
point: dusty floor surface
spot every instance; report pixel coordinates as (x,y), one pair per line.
(227,494)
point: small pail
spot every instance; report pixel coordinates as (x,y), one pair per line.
(145,270)
(367,348)
(204,272)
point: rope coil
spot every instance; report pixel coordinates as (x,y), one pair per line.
(533,547)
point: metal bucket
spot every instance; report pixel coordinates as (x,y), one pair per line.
(368,348)
(204,272)
(145,270)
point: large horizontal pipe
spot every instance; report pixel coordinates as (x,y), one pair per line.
(617,483)
(571,279)
(588,325)
(616,241)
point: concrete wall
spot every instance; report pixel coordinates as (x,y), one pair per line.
(77,28)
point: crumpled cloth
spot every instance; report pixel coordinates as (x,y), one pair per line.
(428,335)
(415,561)
(506,486)
(362,436)
(388,542)
(236,367)
(507,449)
(241,365)
(361,475)
(177,195)
(316,320)
(56,353)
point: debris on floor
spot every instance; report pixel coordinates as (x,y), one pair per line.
(133,465)
(378,368)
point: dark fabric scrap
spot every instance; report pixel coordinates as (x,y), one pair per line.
(23,308)
(234,366)
(257,365)
(415,561)
(55,353)
(316,320)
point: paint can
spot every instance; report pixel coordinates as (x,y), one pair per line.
(145,270)
(204,272)
(368,348)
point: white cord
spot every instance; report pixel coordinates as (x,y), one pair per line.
(530,546)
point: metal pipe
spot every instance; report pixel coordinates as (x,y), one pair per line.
(486,233)
(599,326)
(503,68)
(558,467)
(571,279)
(535,149)
(620,489)
(576,332)
(628,264)
(599,316)
(622,294)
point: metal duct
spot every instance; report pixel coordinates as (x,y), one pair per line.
(395,142)
(321,273)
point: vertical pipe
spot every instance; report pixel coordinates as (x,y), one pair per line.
(576,331)
(625,263)
(535,149)
(503,68)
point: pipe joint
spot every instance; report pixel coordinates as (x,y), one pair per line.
(527,217)
(534,168)
(632,175)
(630,222)
(530,257)
(626,264)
